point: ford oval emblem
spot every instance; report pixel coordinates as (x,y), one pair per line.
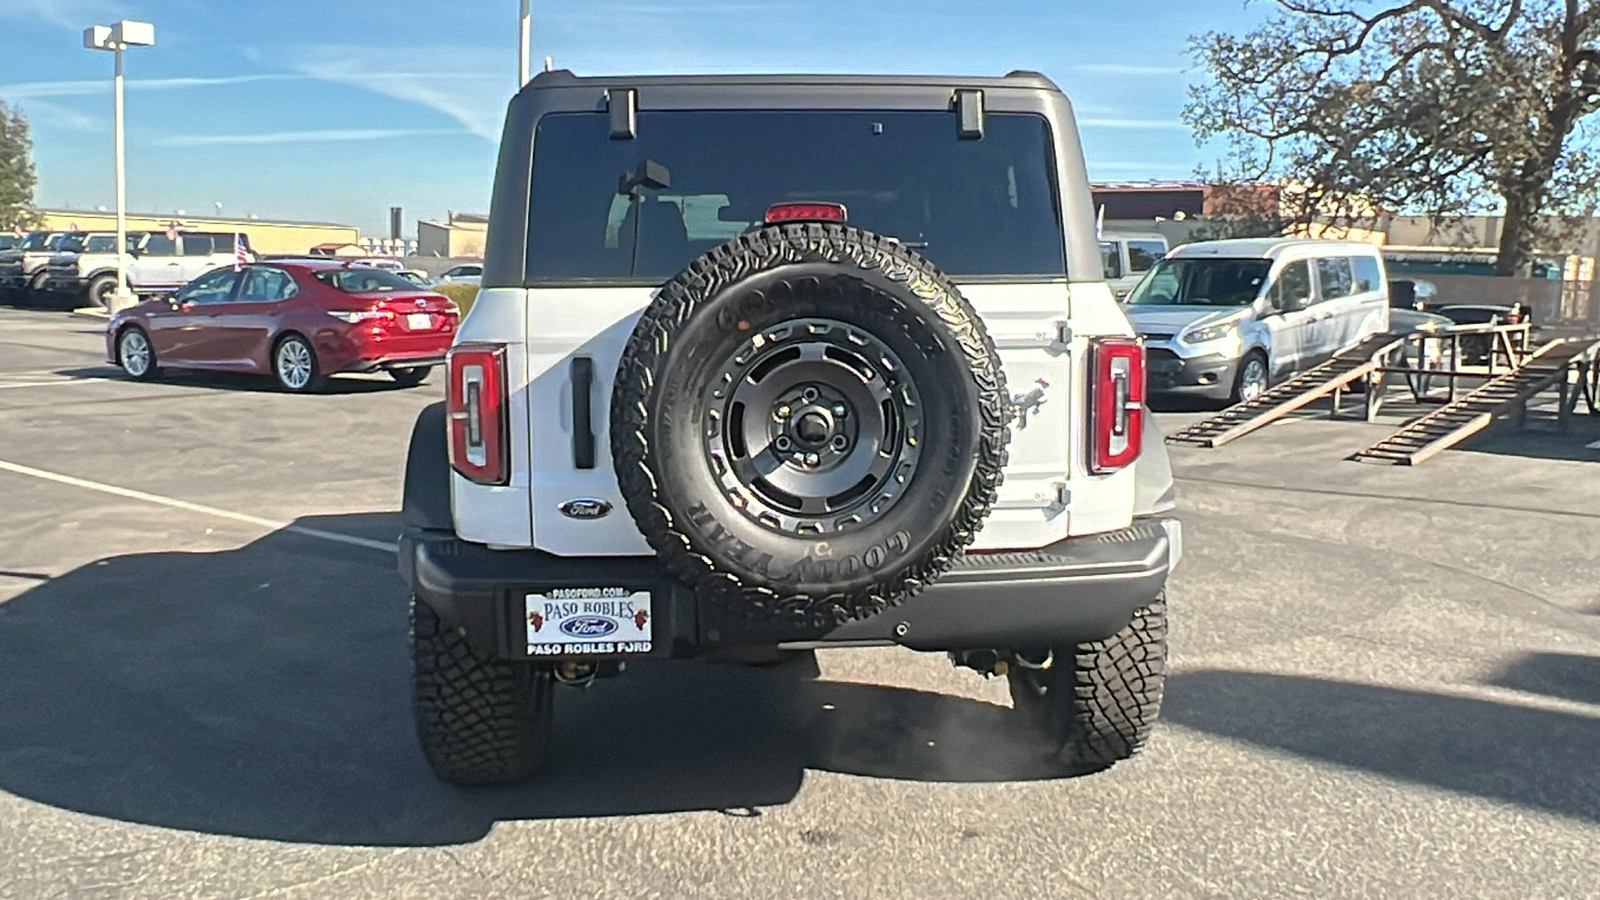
(588,627)
(585,508)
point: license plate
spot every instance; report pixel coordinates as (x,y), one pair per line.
(588,622)
(418,321)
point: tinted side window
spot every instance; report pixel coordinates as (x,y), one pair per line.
(1333,274)
(213,287)
(1110,259)
(975,207)
(1367,275)
(197,245)
(1293,290)
(160,245)
(263,285)
(1143,254)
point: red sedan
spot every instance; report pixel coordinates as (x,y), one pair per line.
(298,321)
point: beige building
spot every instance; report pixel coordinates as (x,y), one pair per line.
(266,235)
(459,236)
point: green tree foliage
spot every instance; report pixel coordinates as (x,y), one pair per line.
(16,170)
(1434,106)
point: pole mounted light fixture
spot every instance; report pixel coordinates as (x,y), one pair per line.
(116,38)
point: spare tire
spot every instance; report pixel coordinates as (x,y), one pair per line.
(809,422)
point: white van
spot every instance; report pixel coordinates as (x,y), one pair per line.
(1125,257)
(1224,320)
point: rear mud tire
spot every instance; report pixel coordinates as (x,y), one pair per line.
(480,721)
(792,282)
(1097,702)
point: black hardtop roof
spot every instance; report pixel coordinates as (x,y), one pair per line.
(1016,80)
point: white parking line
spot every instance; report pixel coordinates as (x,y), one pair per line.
(197,508)
(32,384)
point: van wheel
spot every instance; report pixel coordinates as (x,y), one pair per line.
(1096,703)
(1252,380)
(479,720)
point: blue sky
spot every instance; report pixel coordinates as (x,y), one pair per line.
(337,110)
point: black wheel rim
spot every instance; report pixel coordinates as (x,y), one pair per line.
(812,427)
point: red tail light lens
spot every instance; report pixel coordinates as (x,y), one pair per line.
(805,212)
(1116,408)
(477,409)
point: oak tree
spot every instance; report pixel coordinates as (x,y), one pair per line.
(1439,107)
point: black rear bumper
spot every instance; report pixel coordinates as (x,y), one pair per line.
(1080,589)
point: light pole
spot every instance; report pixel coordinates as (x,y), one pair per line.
(524,44)
(116,38)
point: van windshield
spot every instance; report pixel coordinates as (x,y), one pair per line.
(1202,282)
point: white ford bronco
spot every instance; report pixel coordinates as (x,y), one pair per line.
(771,364)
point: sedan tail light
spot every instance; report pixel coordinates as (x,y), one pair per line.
(477,407)
(1116,406)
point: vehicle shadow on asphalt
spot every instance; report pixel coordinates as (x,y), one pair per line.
(1535,758)
(1565,676)
(260,384)
(264,692)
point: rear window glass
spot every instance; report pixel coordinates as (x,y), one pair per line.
(975,207)
(365,280)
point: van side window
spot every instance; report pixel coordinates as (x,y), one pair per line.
(1334,276)
(1293,290)
(1367,275)
(160,245)
(1110,259)
(1143,254)
(197,245)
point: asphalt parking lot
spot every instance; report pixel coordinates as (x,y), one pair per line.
(1387,684)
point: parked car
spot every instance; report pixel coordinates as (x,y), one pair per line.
(1224,320)
(750,401)
(86,268)
(163,262)
(298,321)
(22,267)
(1126,257)
(463,274)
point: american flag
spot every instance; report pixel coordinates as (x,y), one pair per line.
(241,256)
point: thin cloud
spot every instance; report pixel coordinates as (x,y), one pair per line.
(1148,124)
(92,86)
(1121,69)
(475,99)
(75,14)
(297,137)
(46,114)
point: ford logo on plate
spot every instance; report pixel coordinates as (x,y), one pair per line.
(588,627)
(585,508)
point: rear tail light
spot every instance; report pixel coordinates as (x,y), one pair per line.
(477,408)
(1116,406)
(805,212)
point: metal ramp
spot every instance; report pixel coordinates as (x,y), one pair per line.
(1317,381)
(1472,412)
